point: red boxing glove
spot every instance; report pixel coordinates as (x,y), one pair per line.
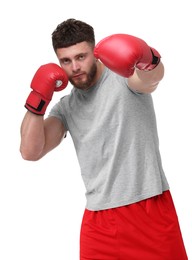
(48,78)
(122,53)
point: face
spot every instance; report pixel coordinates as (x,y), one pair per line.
(79,63)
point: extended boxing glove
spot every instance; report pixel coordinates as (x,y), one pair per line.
(122,53)
(47,79)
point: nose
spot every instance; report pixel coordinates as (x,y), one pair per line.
(75,66)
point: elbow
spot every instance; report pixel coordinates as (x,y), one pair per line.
(29,155)
(29,158)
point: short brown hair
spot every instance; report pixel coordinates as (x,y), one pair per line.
(70,32)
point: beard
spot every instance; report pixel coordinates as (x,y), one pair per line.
(86,84)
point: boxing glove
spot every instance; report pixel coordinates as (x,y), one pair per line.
(122,53)
(47,79)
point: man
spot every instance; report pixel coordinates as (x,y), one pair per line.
(109,113)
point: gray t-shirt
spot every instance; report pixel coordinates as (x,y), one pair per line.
(115,136)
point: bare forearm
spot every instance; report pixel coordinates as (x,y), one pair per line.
(32,136)
(146,81)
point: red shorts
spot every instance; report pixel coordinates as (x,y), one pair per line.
(147,230)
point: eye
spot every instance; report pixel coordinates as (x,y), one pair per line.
(65,61)
(81,57)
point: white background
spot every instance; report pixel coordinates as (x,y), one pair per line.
(41,203)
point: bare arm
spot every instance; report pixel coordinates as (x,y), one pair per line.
(39,136)
(146,81)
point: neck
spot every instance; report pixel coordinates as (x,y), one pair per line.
(100,68)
